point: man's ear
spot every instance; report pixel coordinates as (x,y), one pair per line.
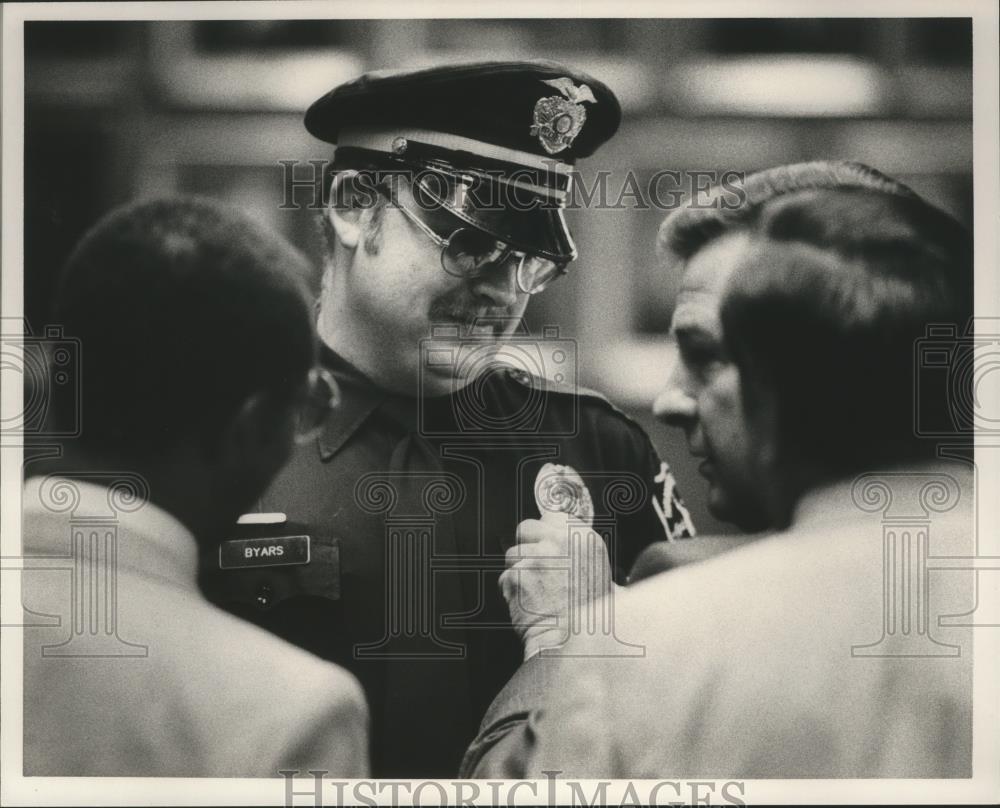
(350,201)
(760,406)
(250,450)
(254,432)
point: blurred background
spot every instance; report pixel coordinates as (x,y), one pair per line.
(119,110)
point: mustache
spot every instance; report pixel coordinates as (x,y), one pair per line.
(464,310)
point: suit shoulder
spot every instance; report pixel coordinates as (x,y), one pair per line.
(285,665)
(312,713)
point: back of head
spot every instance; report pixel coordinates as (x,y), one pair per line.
(184,308)
(824,314)
(845,271)
(702,219)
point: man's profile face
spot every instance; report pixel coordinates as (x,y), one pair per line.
(399,286)
(702,395)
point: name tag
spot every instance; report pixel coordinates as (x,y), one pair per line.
(268,552)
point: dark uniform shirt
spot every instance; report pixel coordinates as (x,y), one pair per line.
(403,509)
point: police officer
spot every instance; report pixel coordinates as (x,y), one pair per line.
(381,544)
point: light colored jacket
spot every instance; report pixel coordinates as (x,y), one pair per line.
(129,671)
(783,658)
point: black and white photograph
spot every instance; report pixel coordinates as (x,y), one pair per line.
(518,403)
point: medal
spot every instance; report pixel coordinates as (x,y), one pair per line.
(560,489)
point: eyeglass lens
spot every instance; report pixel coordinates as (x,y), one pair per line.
(470,251)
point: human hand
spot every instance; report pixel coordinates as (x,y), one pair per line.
(559,567)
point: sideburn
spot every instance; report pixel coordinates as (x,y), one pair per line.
(373,233)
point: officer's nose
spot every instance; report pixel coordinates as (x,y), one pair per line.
(498,283)
(676,404)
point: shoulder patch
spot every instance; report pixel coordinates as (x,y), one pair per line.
(670,508)
(666,501)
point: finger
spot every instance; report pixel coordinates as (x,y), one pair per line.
(526,552)
(503,583)
(555,520)
(552,528)
(507,584)
(532,530)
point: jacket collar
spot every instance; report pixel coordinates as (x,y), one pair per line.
(151,542)
(360,397)
(887,494)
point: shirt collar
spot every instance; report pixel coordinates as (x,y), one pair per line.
(158,545)
(359,396)
(826,502)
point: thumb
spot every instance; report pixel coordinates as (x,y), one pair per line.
(556,519)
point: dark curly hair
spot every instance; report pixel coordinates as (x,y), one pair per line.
(183,308)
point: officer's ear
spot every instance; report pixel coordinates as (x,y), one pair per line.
(352,202)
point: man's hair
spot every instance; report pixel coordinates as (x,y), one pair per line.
(184,308)
(845,272)
(700,221)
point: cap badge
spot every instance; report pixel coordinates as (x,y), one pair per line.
(559,119)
